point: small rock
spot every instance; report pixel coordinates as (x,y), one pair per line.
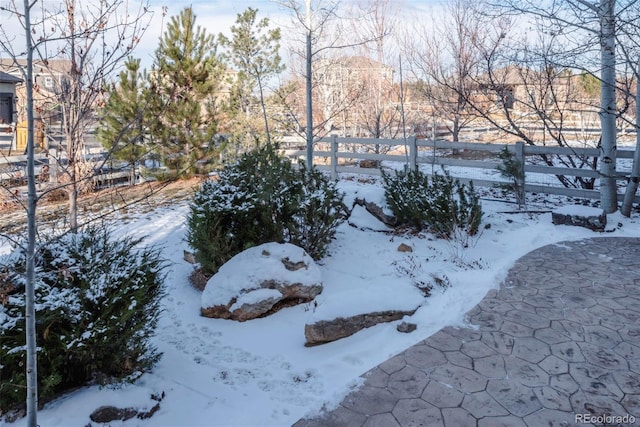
(198,279)
(406,328)
(404,248)
(158,396)
(106,414)
(148,414)
(14,414)
(190,257)
(293,266)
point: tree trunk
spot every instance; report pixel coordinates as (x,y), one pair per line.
(632,186)
(309,92)
(30,313)
(455,133)
(132,178)
(264,111)
(608,190)
(72,189)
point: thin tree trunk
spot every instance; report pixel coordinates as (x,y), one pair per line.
(455,134)
(73,189)
(608,190)
(264,111)
(309,92)
(30,313)
(632,186)
(71,126)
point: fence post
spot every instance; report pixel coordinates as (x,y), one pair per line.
(520,178)
(334,157)
(413,153)
(53,165)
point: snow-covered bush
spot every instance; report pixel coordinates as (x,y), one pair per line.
(97,304)
(443,205)
(320,210)
(453,207)
(262,198)
(407,195)
(511,168)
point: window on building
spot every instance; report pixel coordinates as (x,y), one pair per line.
(6,110)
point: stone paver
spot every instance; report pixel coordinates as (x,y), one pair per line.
(560,337)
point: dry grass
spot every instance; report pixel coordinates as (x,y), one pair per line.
(53,211)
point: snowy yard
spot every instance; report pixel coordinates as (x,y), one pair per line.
(259,373)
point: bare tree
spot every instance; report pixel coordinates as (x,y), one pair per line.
(30,312)
(323,33)
(378,110)
(628,42)
(634,178)
(531,86)
(314,22)
(588,31)
(82,43)
(541,103)
(80,35)
(446,55)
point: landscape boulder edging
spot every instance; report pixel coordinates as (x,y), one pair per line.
(261,280)
(581,216)
(325,331)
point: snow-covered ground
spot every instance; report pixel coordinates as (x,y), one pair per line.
(259,373)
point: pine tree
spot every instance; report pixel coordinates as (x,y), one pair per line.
(185,79)
(253,51)
(124,116)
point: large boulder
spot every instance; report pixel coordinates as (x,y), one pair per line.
(581,216)
(261,280)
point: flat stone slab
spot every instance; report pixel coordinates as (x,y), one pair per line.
(560,341)
(580,216)
(334,317)
(324,331)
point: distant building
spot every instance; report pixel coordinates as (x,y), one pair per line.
(8,99)
(344,82)
(48,78)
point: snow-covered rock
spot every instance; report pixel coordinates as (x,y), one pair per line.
(325,331)
(261,280)
(582,216)
(379,301)
(377,209)
(361,218)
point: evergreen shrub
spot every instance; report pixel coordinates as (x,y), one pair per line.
(511,168)
(443,205)
(262,198)
(407,195)
(97,305)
